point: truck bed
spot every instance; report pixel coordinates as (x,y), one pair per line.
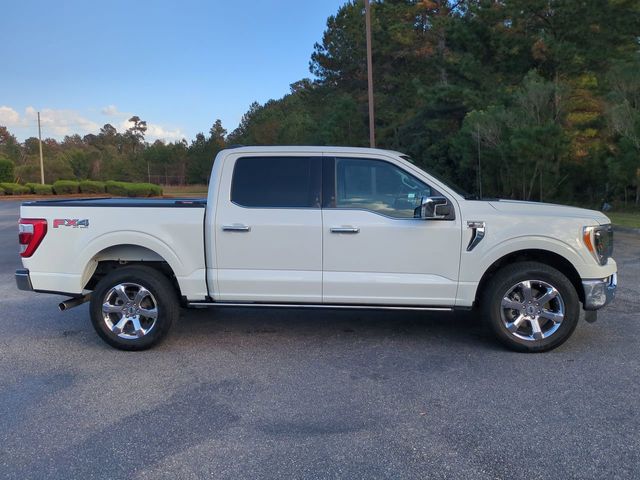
(85,231)
(121,202)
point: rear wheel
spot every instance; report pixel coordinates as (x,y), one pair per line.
(133,308)
(531,307)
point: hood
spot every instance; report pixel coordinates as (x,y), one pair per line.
(516,207)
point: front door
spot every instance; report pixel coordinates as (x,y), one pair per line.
(268,230)
(374,249)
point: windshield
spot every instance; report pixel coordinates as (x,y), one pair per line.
(459,190)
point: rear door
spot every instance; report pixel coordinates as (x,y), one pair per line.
(374,249)
(268,230)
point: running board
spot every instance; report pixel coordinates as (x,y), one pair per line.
(320,305)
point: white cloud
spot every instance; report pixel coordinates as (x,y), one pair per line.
(10,118)
(156,132)
(112,111)
(62,122)
(58,123)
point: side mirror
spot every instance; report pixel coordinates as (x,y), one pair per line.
(434,208)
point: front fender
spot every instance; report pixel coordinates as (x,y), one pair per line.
(528,242)
(475,264)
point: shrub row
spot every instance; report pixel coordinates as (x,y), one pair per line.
(66,187)
(39,189)
(14,188)
(91,186)
(126,189)
(62,187)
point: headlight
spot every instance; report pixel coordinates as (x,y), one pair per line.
(599,241)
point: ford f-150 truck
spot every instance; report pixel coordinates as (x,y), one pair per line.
(320,227)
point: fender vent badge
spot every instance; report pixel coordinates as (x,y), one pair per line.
(478,229)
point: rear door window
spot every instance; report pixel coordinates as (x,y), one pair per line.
(277,182)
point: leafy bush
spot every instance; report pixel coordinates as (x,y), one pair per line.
(116,188)
(6,170)
(156,190)
(31,186)
(143,190)
(90,186)
(62,187)
(14,189)
(39,189)
(138,190)
(1,191)
(126,189)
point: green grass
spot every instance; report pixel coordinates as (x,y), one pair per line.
(185,190)
(625,219)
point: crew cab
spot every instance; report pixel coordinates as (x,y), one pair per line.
(320,227)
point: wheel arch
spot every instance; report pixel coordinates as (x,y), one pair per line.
(552,259)
(115,256)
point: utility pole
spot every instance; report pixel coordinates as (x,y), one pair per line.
(40,144)
(479,166)
(372,126)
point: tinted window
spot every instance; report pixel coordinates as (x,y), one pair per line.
(378,186)
(269,182)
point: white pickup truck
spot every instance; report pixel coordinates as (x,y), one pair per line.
(320,227)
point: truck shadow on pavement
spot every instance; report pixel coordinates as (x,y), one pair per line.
(302,325)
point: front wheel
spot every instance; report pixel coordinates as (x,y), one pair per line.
(133,308)
(531,307)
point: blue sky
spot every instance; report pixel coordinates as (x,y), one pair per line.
(177,65)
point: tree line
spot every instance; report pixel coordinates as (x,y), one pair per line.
(112,155)
(524,99)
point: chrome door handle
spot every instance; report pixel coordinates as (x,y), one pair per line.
(236,227)
(345,230)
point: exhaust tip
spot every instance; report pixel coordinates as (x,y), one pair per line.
(73,302)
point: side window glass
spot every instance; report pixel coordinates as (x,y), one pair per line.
(276,182)
(378,186)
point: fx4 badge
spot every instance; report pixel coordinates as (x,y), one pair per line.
(70,222)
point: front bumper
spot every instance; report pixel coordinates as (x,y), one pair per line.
(600,292)
(23,281)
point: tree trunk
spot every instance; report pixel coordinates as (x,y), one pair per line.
(540,185)
(532,183)
(443,12)
(441,49)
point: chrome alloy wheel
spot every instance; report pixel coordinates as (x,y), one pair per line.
(532,310)
(129,310)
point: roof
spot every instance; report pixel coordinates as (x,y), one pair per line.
(310,149)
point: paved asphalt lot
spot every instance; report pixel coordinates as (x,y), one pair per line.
(242,393)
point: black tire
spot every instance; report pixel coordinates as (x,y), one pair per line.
(508,283)
(161,301)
